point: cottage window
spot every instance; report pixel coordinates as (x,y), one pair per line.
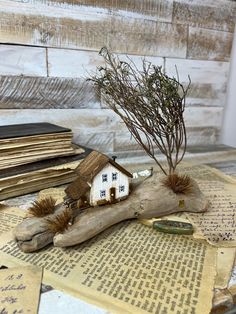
(114,176)
(121,188)
(102,193)
(104,178)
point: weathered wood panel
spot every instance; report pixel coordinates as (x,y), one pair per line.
(100,120)
(102,129)
(138,60)
(152,9)
(92,31)
(195,136)
(209,44)
(208,80)
(20,60)
(203,136)
(72,63)
(208,132)
(203,116)
(44,92)
(103,141)
(75,63)
(96,120)
(148,38)
(213,14)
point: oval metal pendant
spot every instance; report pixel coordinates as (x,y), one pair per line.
(172,226)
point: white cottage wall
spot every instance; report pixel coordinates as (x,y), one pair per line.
(98,185)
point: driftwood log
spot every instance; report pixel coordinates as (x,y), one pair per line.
(147,200)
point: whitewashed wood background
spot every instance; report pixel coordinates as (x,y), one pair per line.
(48,48)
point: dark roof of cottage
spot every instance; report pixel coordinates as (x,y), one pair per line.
(87,170)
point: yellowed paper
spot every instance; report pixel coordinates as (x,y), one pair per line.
(20,289)
(224,266)
(218,224)
(57,193)
(225,256)
(10,217)
(36,180)
(129,268)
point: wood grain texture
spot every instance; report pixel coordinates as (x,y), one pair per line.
(195,136)
(96,120)
(102,120)
(158,10)
(212,14)
(203,116)
(102,141)
(78,63)
(44,92)
(208,80)
(101,129)
(91,31)
(20,60)
(148,38)
(208,44)
(73,63)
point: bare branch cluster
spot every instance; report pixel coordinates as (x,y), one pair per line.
(150,103)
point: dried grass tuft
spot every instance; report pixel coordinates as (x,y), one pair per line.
(61,222)
(43,207)
(179,184)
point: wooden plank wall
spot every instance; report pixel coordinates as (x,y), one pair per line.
(49,47)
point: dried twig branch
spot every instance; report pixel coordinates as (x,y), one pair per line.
(149,102)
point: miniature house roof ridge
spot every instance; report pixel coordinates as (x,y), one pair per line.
(94,163)
(119,167)
(87,170)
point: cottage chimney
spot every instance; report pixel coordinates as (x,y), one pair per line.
(114,158)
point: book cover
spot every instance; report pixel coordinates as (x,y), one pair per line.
(29,129)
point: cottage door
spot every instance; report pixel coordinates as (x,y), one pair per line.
(112,195)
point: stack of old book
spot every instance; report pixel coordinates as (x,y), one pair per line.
(35,156)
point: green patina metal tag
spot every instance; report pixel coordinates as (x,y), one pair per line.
(174,227)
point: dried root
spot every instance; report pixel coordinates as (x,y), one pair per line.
(61,222)
(178,184)
(43,208)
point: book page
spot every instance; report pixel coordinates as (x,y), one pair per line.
(20,290)
(218,223)
(129,268)
(10,217)
(57,193)
(224,266)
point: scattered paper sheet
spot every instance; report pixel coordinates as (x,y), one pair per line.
(129,268)
(57,193)
(20,290)
(224,266)
(218,224)
(9,218)
(225,256)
